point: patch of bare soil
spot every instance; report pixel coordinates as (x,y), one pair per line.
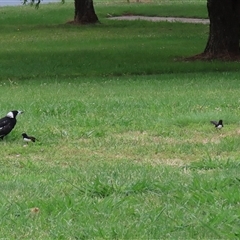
(161,19)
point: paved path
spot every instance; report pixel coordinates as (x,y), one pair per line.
(162,19)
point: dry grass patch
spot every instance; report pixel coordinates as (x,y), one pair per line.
(176,147)
(139,146)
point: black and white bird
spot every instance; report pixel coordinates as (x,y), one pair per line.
(27,138)
(218,125)
(8,123)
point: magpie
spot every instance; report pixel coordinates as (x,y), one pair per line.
(8,122)
(218,124)
(27,138)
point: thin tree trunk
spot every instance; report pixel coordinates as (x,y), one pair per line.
(84,12)
(223,41)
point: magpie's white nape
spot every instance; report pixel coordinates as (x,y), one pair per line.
(8,122)
(14,113)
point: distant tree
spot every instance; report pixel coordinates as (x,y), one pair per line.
(84,11)
(224,30)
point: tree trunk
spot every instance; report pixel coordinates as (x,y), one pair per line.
(84,12)
(223,41)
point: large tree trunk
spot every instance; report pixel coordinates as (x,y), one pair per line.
(223,41)
(84,12)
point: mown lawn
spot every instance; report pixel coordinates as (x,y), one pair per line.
(125,147)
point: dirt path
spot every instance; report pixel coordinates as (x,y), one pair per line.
(162,19)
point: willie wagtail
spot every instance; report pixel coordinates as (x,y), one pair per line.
(27,138)
(218,124)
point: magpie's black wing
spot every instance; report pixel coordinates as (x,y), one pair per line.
(7,127)
(214,122)
(4,121)
(5,130)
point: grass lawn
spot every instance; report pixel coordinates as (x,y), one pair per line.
(125,147)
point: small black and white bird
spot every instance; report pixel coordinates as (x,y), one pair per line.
(8,122)
(27,138)
(218,124)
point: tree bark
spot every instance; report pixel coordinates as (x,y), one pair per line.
(84,12)
(224,34)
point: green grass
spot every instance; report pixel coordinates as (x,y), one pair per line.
(195,9)
(125,148)
(122,158)
(113,48)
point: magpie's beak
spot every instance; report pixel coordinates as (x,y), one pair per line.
(20,112)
